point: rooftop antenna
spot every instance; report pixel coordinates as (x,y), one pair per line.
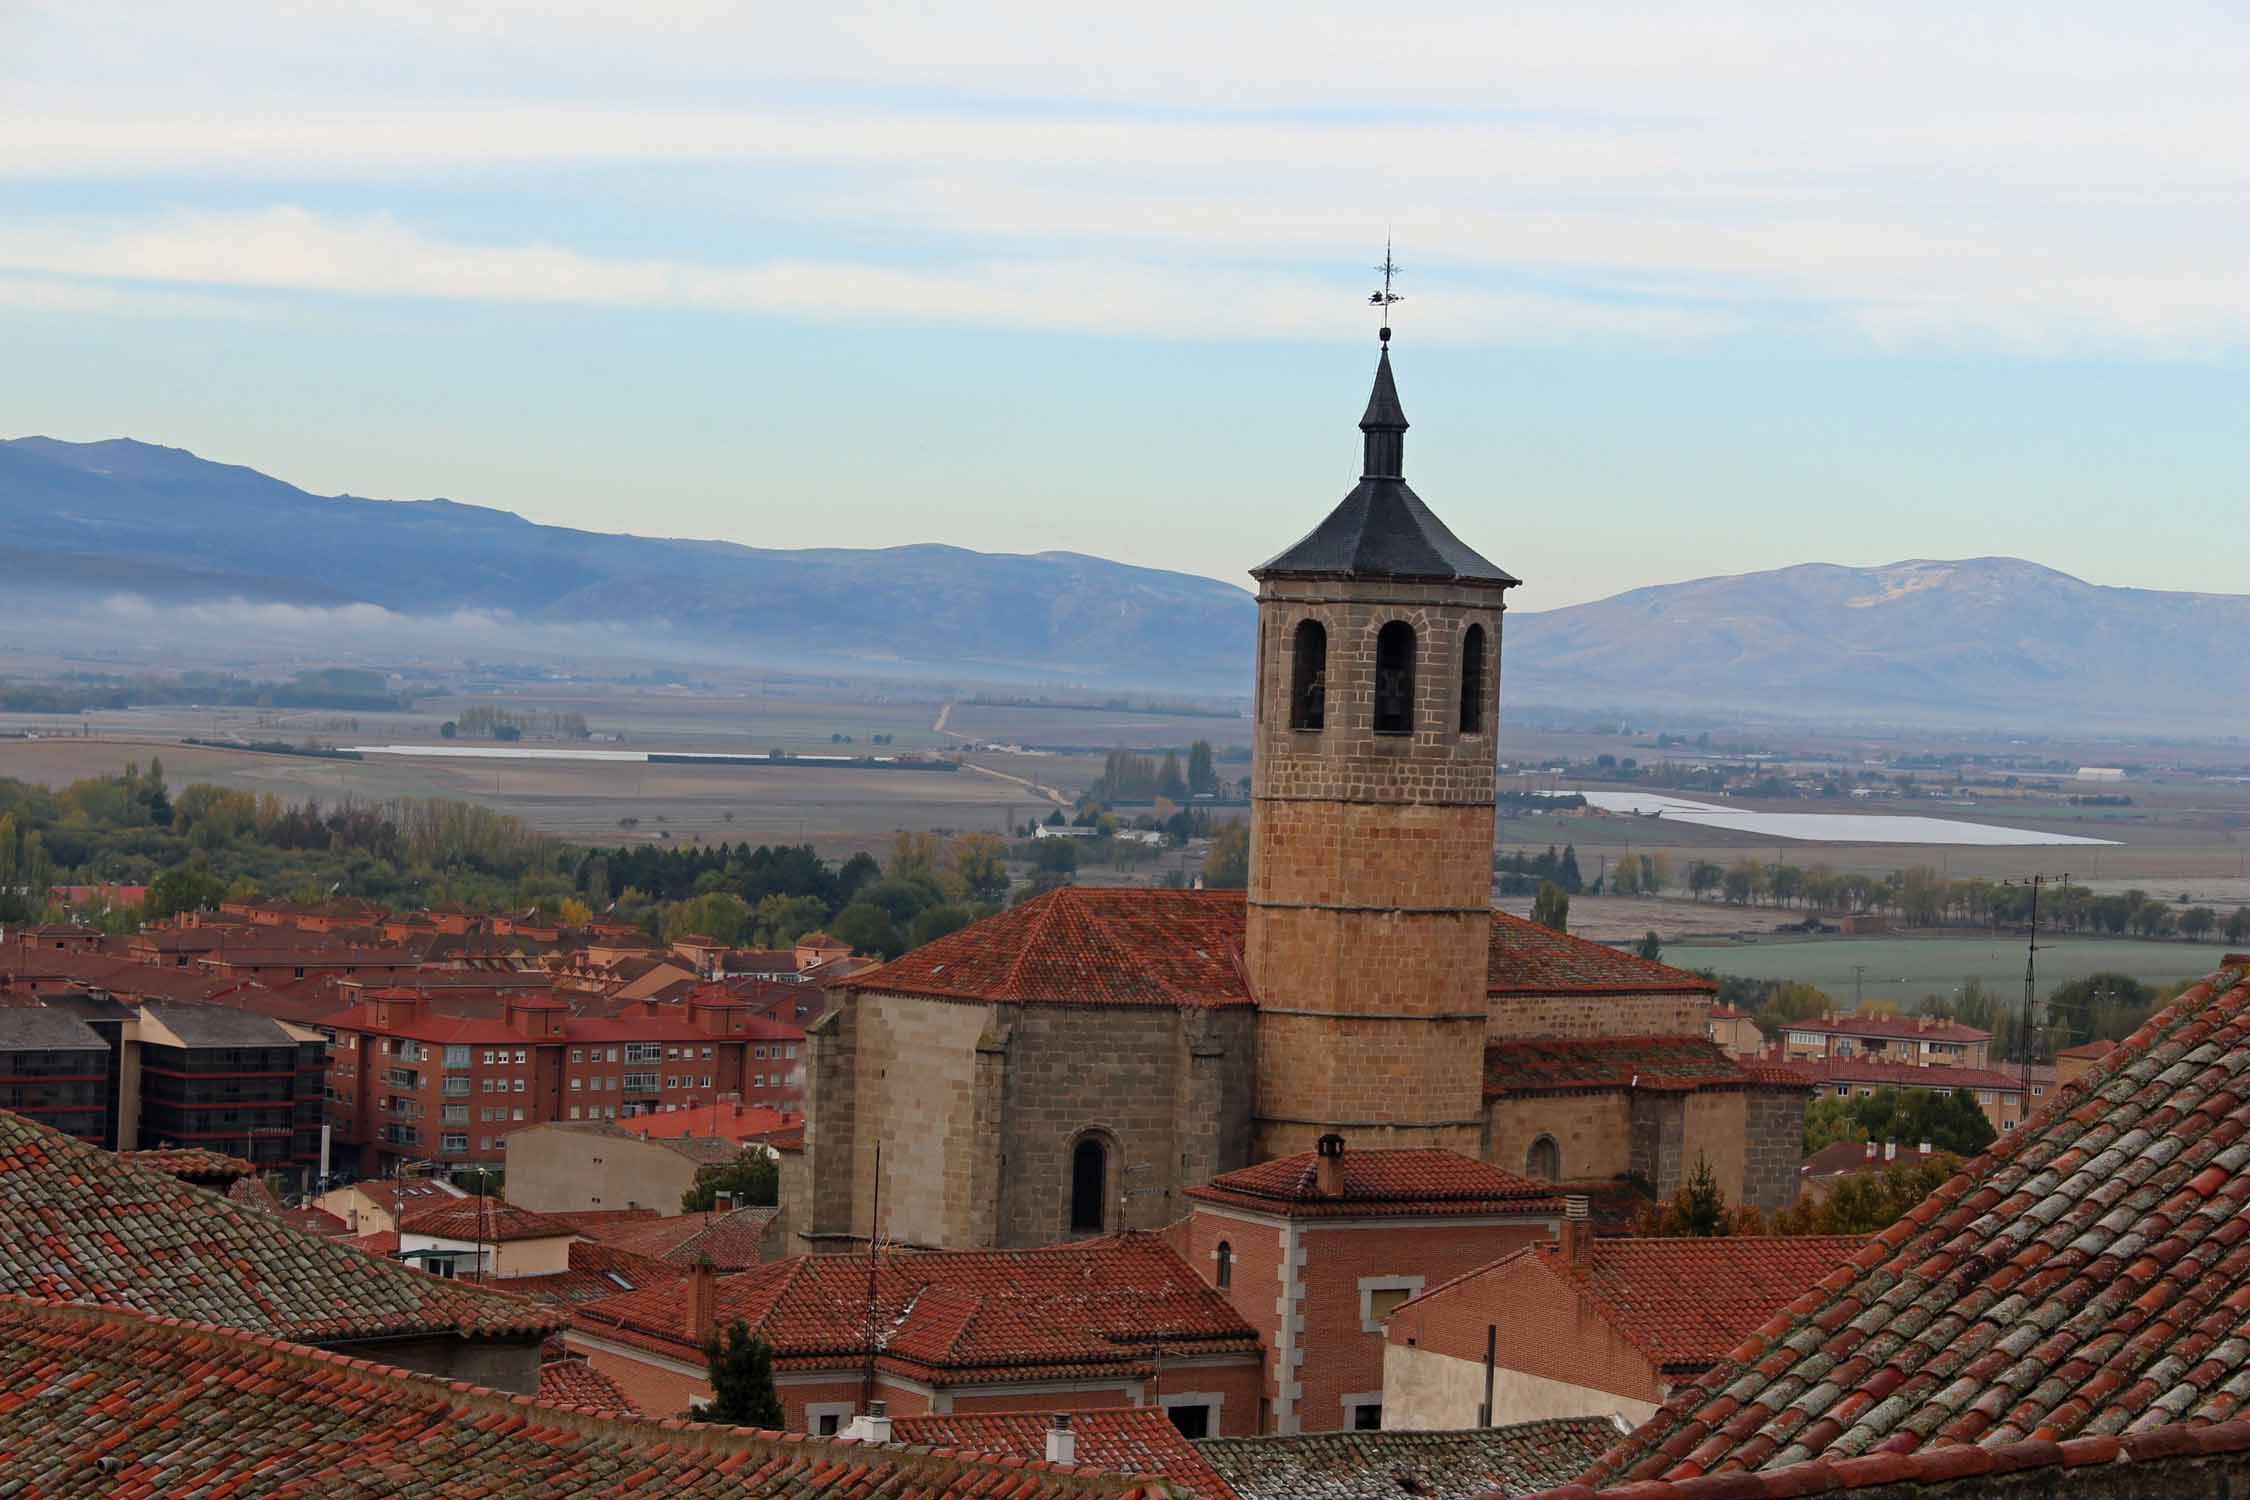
(2031,971)
(1386,298)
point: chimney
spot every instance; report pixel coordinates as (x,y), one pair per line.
(872,1425)
(1577,1230)
(1890,1150)
(702,1300)
(1062,1443)
(1328,1166)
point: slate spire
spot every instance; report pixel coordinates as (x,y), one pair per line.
(1383,428)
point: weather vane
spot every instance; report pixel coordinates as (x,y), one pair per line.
(1386,297)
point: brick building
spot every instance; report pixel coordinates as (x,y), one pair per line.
(1315,1250)
(57,1070)
(1583,1326)
(1078,1063)
(407,1083)
(1910,1041)
(1105,1324)
(2007,1097)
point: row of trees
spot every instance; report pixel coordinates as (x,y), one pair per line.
(1950,1121)
(1862,1203)
(1128,776)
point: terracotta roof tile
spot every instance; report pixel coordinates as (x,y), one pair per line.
(102,1401)
(1502,1461)
(575,1382)
(1090,945)
(1135,1440)
(950,1316)
(596,1271)
(492,1220)
(191,1163)
(1670,1063)
(2088,1275)
(729,1241)
(1385,1183)
(1834,1070)
(80,1222)
(1688,1302)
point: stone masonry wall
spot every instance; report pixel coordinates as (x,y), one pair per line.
(1592,1131)
(915,1078)
(1774,1130)
(1659,1133)
(1525,1016)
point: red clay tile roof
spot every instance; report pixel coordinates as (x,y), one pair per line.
(381,1242)
(1133,1440)
(252,1192)
(1685,1303)
(105,1402)
(316,1221)
(728,1241)
(80,1222)
(191,1163)
(1409,1465)
(955,1316)
(1835,1070)
(596,1271)
(2088,1051)
(1528,959)
(1902,1028)
(2085,1276)
(1095,946)
(1851,1156)
(734,1122)
(492,1220)
(1670,1063)
(575,1382)
(1380,1184)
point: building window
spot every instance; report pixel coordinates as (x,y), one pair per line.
(827,1418)
(456,1057)
(519,1085)
(578,1054)
(1472,680)
(1367,1416)
(575,1083)
(520,1056)
(1089,1186)
(574,1111)
(640,1052)
(1543,1162)
(1394,678)
(1194,1413)
(452,1142)
(1225,1259)
(1379,1297)
(1308,676)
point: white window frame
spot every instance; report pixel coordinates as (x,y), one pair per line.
(1354,1403)
(816,1411)
(1370,1285)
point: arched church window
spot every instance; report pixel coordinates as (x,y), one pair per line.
(1543,1162)
(1089,1187)
(1394,678)
(1308,676)
(1226,1265)
(1472,680)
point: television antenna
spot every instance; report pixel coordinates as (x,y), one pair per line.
(2034,884)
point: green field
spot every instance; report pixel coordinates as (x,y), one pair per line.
(1907,968)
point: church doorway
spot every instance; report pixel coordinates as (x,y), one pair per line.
(1089,1187)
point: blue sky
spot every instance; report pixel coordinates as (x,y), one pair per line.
(1690,290)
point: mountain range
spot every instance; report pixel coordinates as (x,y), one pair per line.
(1989,640)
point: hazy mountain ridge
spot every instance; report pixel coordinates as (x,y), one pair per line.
(1989,639)
(1982,637)
(1058,613)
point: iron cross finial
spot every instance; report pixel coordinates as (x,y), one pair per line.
(1386,297)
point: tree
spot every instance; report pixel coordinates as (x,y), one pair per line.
(448,730)
(573,912)
(721,916)
(1202,776)
(1704,877)
(1697,1207)
(1551,907)
(1828,1121)
(1055,857)
(1169,782)
(981,861)
(2238,925)
(1650,947)
(1866,1202)
(868,928)
(742,1389)
(935,922)
(752,1179)
(2196,923)
(184,887)
(1227,867)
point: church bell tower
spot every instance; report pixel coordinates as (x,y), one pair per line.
(1369,920)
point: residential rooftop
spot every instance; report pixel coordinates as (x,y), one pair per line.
(1439,1465)
(1378,1183)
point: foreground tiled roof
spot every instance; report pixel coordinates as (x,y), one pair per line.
(2087,1275)
(948,1316)
(1409,1465)
(191,1163)
(492,1220)
(1132,1440)
(1687,1302)
(1380,1183)
(1090,945)
(575,1382)
(104,1402)
(80,1222)
(1646,1062)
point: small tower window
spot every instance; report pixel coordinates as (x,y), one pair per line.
(1308,680)
(1089,1187)
(1226,1265)
(1543,1162)
(1394,679)
(1472,680)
